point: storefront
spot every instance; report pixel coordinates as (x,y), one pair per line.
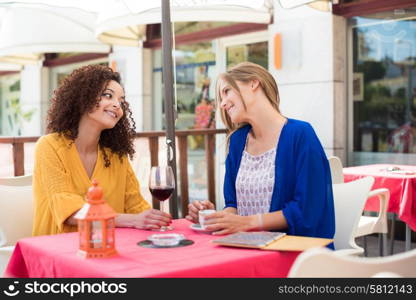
(382,81)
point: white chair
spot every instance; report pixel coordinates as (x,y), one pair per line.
(16,218)
(5,254)
(17,180)
(367,224)
(321,262)
(348,213)
(335,165)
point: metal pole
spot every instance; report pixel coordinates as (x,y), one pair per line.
(167,75)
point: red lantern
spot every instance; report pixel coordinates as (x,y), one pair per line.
(96,225)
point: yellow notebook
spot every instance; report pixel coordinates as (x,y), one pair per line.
(297,243)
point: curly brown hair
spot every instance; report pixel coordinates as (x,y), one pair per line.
(78,94)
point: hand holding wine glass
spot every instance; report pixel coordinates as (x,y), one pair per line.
(161,185)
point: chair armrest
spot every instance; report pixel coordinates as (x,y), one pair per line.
(384,197)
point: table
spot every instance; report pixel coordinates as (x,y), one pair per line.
(402,186)
(55,256)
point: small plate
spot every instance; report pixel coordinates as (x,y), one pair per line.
(403,172)
(197,227)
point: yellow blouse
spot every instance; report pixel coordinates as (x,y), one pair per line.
(60,183)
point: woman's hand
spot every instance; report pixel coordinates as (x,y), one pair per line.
(195,207)
(226,223)
(149,219)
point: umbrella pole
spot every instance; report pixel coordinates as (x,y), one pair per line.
(167,75)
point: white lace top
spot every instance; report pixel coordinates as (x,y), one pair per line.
(255,183)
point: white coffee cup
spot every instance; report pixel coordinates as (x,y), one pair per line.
(202,214)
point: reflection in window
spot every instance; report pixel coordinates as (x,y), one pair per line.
(13,114)
(195,91)
(195,72)
(255,52)
(384,82)
(195,78)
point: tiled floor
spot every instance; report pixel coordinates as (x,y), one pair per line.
(372,245)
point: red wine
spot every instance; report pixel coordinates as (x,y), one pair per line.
(161,193)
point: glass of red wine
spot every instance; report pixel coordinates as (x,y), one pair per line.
(161,185)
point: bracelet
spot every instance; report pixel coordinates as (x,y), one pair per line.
(260,221)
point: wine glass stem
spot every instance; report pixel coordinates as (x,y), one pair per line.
(162,206)
(162,209)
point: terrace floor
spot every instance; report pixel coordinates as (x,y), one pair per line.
(373,248)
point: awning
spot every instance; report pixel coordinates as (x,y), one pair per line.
(123,22)
(28,29)
(21,59)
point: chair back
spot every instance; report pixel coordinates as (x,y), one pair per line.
(335,166)
(349,201)
(17,180)
(5,254)
(16,213)
(321,262)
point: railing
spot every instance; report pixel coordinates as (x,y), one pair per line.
(153,138)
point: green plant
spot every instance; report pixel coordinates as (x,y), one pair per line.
(16,116)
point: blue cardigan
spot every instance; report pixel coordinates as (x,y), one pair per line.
(302,187)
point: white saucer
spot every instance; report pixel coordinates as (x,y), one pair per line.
(197,227)
(403,172)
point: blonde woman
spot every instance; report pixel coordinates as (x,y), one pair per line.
(277,174)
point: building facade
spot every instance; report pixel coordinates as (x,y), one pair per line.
(349,71)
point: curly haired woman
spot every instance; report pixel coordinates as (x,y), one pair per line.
(91,134)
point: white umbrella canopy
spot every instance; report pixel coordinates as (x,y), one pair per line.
(87,5)
(29,29)
(123,22)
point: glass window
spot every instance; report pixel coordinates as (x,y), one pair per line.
(384,82)
(12,115)
(59,73)
(195,92)
(255,52)
(195,77)
(195,71)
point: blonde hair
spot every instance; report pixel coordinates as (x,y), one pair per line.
(246,72)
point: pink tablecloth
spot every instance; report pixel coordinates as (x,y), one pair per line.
(55,256)
(402,186)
